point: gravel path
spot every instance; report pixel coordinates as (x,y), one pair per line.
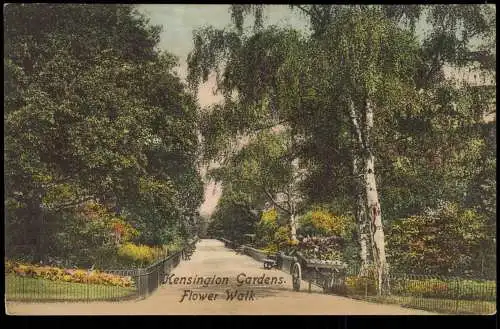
(253,298)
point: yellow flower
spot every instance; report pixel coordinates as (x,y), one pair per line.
(269,216)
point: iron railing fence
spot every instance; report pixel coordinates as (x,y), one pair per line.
(435,293)
(27,289)
(143,282)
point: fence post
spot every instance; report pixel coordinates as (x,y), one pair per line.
(457,297)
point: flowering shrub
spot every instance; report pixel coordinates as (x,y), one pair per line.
(269,216)
(446,240)
(282,236)
(66,275)
(319,248)
(115,224)
(122,230)
(132,254)
(355,285)
(266,230)
(322,222)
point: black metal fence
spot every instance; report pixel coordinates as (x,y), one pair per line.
(143,282)
(434,293)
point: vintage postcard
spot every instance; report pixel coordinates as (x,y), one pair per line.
(200,159)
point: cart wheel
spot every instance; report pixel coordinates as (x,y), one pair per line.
(296,276)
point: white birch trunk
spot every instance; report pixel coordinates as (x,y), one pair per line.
(293,227)
(375,216)
(372,201)
(363,228)
(294,198)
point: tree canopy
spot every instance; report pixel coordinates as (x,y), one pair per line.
(93,111)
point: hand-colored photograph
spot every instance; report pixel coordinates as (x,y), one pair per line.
(168,159)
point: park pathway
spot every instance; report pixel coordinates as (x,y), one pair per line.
(211,259)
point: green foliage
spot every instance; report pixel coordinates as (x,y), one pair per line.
(282,237)
(265,232)
(94,112)
(428,138)
(269,216)
(321,248)
(321,222)
(272,232)
(426,288)
(233,218)
(446,240)
(435,288)
(360,286)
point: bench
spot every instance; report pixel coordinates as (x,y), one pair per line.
(187,253)
(270,262)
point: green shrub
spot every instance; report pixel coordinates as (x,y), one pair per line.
(430,288)
(321,248)
(269,216)
(270,249)
(435,288)
(176,244)
(355,285)
(447,240)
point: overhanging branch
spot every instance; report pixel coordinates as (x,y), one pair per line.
(73,203)
(269,195)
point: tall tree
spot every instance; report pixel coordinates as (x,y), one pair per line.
(85,91)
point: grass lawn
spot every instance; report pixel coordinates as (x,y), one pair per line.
(445,306)
(30,289)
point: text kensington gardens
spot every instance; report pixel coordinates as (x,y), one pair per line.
(241,279)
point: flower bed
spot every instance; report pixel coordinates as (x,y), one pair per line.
(66,275)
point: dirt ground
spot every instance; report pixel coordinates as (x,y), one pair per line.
(256,298)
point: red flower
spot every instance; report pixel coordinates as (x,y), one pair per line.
(119,228)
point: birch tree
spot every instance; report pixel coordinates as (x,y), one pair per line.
(266,171)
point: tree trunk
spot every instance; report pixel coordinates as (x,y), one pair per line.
(293,227)
(294,198)
(36,213)
(361,220)
(372,201)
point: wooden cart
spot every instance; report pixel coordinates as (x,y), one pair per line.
(325,275)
